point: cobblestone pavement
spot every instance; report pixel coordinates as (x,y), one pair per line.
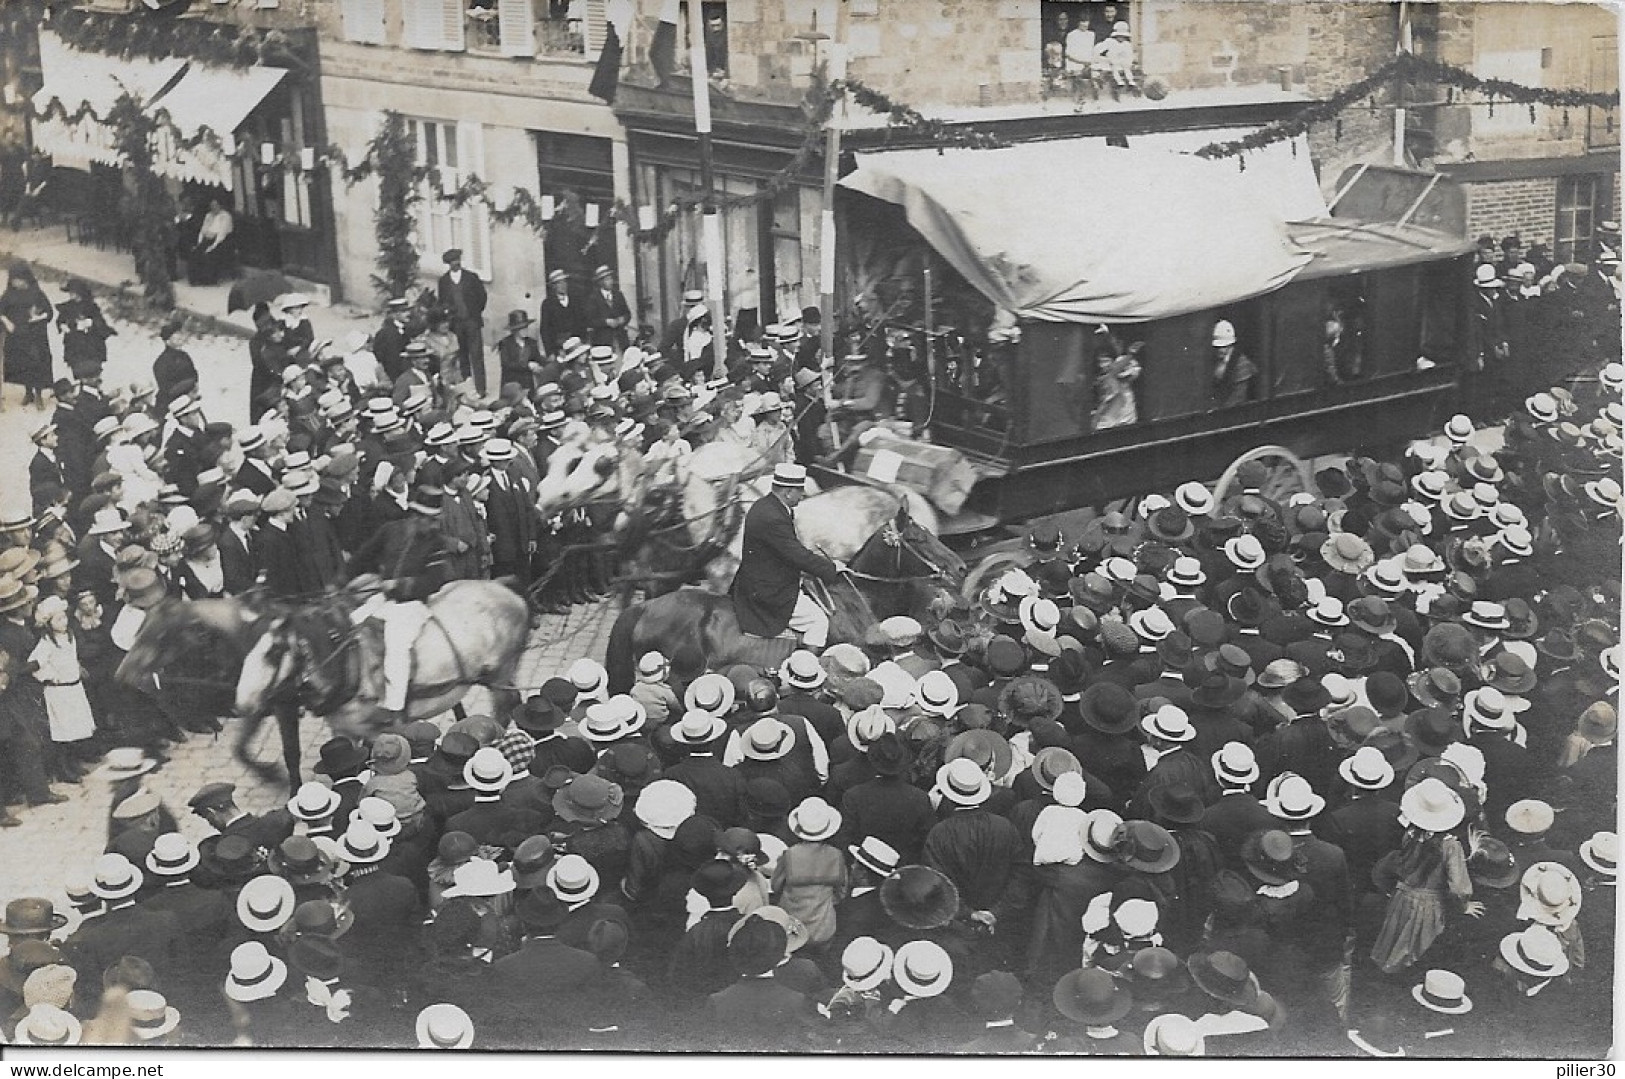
(58,843)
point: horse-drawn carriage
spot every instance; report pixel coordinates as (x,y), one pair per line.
(1353,318)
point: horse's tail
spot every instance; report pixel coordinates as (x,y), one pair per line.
(619,659)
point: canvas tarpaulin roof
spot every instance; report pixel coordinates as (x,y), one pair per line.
(1076,231)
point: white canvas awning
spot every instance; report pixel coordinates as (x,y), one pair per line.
(216,99)
(75,80)
(1077,231)
(1280,174)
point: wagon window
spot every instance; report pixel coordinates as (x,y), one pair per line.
(1443,309)
(1174,367)
(1059,380)
(1295,320)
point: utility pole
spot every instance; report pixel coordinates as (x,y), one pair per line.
(710,221)
(1404,46)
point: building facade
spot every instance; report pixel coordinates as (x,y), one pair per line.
(494,90)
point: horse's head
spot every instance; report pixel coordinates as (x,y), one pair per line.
(904,550)
(267,668)
(575,478)
(154,645)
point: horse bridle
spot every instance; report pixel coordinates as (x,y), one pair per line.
(892,537)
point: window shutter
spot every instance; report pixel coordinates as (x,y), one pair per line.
(422,23)
(471,156)
(593,28)
(451,25)
(516,23)
(265,4)
(364,21)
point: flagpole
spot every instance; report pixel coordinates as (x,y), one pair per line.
(710,221)
(835,72)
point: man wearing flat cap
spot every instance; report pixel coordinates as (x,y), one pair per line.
(216,803)
(463,294)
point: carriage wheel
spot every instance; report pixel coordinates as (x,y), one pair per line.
(988,570)
(1287,475)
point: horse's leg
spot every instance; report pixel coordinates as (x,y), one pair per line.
(287,723)
(247,728)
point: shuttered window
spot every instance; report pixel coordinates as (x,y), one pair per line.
(517,26)
(434,24)
(363,21)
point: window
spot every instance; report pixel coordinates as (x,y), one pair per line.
(501,27)
(363,21)
(577,170)
(1578,202)
(1602,125)
(1071,31)
(455,151)
(433,24)
(714,17)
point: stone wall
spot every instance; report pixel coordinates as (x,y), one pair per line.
(1345,43)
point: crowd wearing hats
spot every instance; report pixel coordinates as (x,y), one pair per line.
(1333,774)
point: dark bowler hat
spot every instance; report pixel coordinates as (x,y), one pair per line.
(31,916)
(1109,708)
(888,755)
(538,716)
(1093,997)
(1224,976)
(518,320)
(341,757)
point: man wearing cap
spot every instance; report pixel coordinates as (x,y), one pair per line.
(44,468)
(462,294)
(409,554)
(767,585)
(216,803)
(1233,375)
(607,313)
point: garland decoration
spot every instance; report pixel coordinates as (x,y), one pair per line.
(1408,68)
(395,216)
(222,44)
(145,202)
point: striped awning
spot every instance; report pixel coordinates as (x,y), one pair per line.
(80,89)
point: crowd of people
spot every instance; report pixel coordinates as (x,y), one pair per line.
(1333,774)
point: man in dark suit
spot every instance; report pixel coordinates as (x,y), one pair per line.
(562,315)
(519,358)
(510,513)
(463,294)
(216,803)
(545,972)
(758,1011)
(45,470)
(767,586)
(888,807)
(124,928)
(239,561)
(719,791)
(608,313)
(275,545)
(255,473)
(205,915)
(392,337)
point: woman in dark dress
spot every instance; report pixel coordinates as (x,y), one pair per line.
(84,330)
(24,315)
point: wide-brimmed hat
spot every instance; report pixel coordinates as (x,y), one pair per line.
(923,968)
(1442,991)
(1170,723)
(480,878)
(589,799)
(1536,951)
(1235,765)
(1367,769)
(919,897)
(302,861)
(1224,976)
(963,782)
(31,916)
(1548,894)
(313,801)
(1601,853)
(341,756)
(814,820)
(1432,806)
(768,739)
(710,692)
(1290,797)
(1269,856)
(446,1026)
(875,855)
(1030,699)
(255,973)
(1147,848)
(1093,997)
(1109,708)
(266,903)
(865,964)
(47,1025)
(125,762)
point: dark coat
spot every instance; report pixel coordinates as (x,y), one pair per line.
(601,310)
(511,517)
(556,323)
(43,471)
(278,559)
(154,935)
(1232,819)
(890,810)
(239,564)
(770,568)
(1366,829)
(410,552)
(543,972)
(719,791)
(760,1013)
(515,354)
(465,298)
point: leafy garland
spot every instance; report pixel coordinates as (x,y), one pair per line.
(1408,68)
(145,202)
(128,36)
(396,212)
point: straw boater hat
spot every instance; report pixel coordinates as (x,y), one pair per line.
(266,903)
(1536,951)
(444,1026)
(1432,806)
(1442,991)
(255,973)
(923,968)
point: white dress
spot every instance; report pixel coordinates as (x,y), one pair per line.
(65,702)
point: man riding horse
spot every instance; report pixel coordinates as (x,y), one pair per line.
(767,590)
(410,555)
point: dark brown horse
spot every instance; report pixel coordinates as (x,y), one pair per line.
(901,569)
